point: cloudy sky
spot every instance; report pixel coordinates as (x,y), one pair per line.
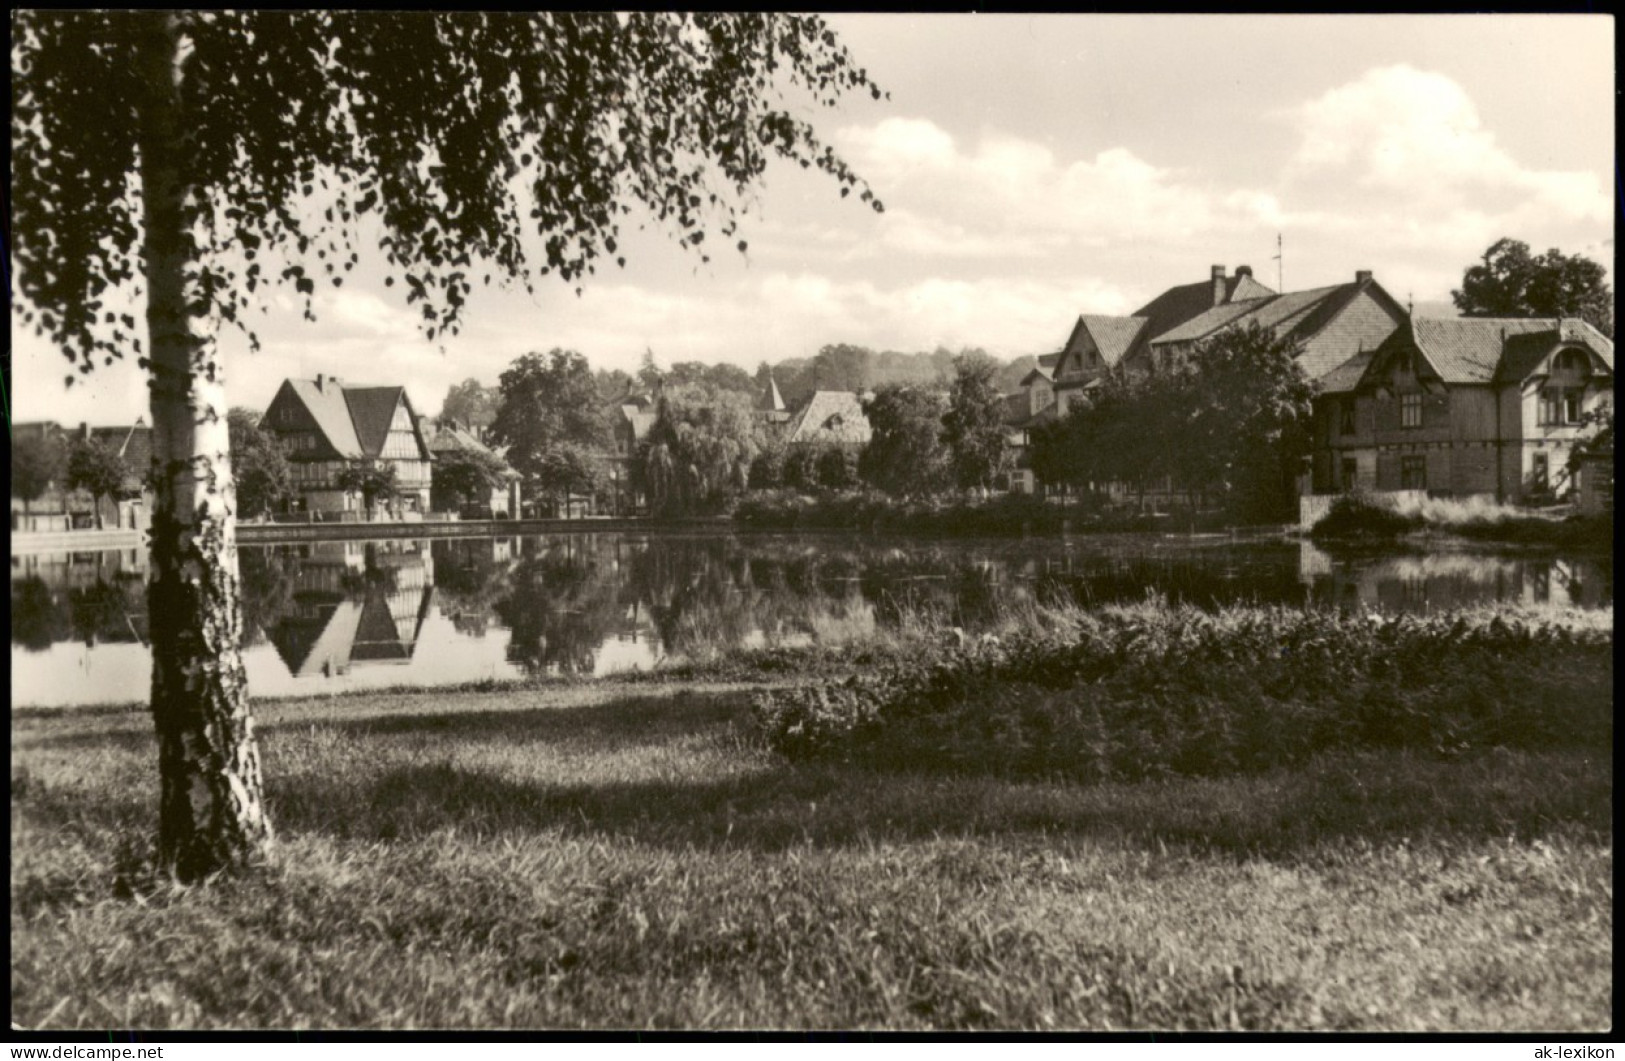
(1034,168)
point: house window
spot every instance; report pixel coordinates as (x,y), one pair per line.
(1410,410)
(1561,405)
(1345,416)
(1350,474)
(1413,473)
(1539,471)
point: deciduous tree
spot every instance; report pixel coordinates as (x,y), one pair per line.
(1511,282)
(905,456)
(697,456)
(471,403)
(95,467)
(374,480)
(196,157)
(552,420)
(37,461)
(264,479)
(973,427)
(462,476)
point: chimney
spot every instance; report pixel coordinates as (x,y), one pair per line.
(1362,276)
(320,379)
(84,431)
(1244,270)
(1218,285)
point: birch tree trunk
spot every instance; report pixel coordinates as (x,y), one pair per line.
(211,815)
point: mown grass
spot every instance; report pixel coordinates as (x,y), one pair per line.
(612,856)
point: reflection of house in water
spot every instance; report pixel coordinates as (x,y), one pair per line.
(1439,581)
(354,603)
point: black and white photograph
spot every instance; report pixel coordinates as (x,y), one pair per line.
(658,522)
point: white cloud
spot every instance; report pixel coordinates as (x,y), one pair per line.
(1417,136)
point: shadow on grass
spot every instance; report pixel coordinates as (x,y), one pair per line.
(366,779)
(1372,798)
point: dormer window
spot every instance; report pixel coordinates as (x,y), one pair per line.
(1570,361)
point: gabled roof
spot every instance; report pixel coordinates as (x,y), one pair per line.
(1490,349)
(372,410)
(835,414)
(1527,353)
(353,420)
(1209,321)
(1113,336)
(448,435)
(1179,304)
(328,408)
(1047,374)
(1345,377)
(1467,349)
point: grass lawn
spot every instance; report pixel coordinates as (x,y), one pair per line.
(620,855)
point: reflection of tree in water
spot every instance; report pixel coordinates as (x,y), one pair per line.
(268,577)
(39,618)
(107,612)
(563,604)
(700,593)
(469,581)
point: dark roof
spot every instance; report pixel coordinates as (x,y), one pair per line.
(1208,321)
(1345,377)
(354,420)
(1050,360)
(1179,304)
(372,409)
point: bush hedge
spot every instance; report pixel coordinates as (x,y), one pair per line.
(1127,695)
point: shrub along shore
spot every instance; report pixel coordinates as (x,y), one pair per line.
(1140,818)
(1357,519)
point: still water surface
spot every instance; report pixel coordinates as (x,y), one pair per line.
(330,616)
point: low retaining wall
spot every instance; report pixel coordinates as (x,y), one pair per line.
(76,541)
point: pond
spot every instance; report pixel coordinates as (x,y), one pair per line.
(331,616)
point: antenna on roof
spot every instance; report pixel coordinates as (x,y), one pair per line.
(1280,264)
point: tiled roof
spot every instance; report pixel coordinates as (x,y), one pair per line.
(332,414)
(1525,352)
(1467,349)
(835,415)
(447,435)
(1113,336)
(1041,372)
(1179,304)
(1345,377)
(1208,321)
